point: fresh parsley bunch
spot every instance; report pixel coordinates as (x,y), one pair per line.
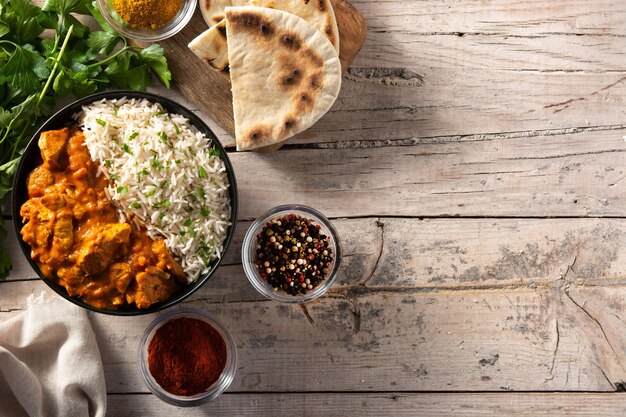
(72,61)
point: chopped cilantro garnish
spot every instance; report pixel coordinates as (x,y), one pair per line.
(205,211)
(165,184)
(163,137)
(133,135)
(202,172)
(108,163)
(151,193)
(101,122)
(200,193)
(177,129)
(135,205)
(114,177)
(121,190)
(126,148)
(214,152)
(187,223)
(162,203)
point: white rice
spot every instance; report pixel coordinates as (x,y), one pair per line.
(166,173)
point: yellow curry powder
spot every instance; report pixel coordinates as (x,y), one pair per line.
(146,14)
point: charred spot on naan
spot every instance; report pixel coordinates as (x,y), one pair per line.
(314,57)
(304,102)
(289,74)
(289,123)
(258,133)
(315,81)
(253,23)
(330,34)
(290,40)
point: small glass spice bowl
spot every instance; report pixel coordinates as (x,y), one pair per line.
(249,247)
(212,392)
(169,29)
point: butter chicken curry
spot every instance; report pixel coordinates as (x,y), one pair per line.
(77,239)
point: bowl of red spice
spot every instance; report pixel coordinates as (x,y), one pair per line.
(291,254)
(187,357)
(147,20)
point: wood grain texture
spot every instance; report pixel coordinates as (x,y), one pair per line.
(561,337)
(381,405)
(210,89)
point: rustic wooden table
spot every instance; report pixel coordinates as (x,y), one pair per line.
(474,165)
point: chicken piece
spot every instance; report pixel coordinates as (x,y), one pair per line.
(98,251)
(52,144)
(54,201)
(63,238)
(39,221)
(153,286)
(121,275)
(38,180)
(167,261)
(73,280)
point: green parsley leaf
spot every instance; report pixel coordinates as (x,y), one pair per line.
(102,41)
(65,7)
(154,57)
(25,69)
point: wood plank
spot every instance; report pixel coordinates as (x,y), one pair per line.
(379,405)
(561,337)
(522,18)
(567,175)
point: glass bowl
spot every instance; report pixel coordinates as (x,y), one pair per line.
(248,253)
(172,27)
(212,392)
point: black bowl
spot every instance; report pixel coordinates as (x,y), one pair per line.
(32,158)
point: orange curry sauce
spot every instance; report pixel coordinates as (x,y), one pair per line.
(77,239)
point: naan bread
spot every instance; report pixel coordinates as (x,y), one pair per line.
(285,74)
(213,10)
(319,13)
(211,46)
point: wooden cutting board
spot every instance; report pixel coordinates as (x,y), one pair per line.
(210,89)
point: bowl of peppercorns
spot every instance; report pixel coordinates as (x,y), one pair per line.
(291,254)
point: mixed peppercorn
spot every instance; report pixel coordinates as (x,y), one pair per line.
(292,254)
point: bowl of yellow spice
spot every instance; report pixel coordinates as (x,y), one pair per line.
(147,20)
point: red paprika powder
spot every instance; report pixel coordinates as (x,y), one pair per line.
(186,356)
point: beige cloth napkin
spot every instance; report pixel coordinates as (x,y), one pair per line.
(49,362)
